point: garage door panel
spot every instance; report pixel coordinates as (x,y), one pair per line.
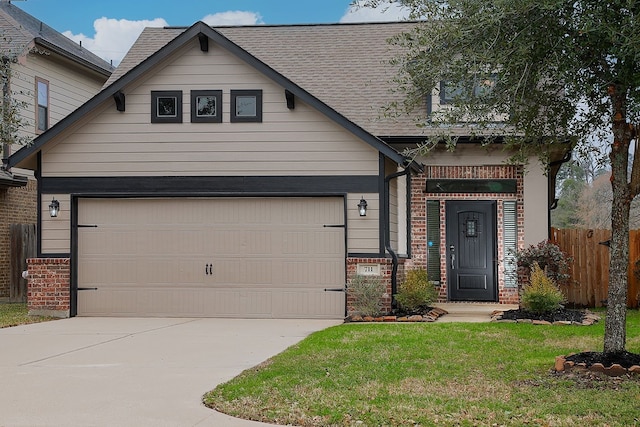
(270,257)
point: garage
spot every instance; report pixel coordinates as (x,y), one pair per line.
(267,257)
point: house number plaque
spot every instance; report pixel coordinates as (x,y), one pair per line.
(368,269)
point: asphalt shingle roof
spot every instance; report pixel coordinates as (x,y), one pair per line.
(20,31)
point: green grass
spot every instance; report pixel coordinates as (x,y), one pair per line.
(14,314)
(444,374)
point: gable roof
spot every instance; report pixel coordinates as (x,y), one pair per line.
(179,40)
(345,65)
(21,31)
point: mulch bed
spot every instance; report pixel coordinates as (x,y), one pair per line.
(562,316)
(429,314)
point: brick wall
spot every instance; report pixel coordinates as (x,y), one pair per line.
(17,206)
(48,291)
(385,275)
(419,198)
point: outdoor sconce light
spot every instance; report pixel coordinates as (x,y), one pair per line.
(54,208)
(362,207)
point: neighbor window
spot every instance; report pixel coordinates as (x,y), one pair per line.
(166,106)
(206,106)
(42,114)
(246,105)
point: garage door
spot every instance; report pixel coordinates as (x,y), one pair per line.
(230,257)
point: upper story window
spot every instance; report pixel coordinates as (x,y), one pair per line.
(42,112)
(166,106)
(449,92)
(246,106)
(206,106)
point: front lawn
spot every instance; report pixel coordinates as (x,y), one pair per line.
(14,314)
(467,374)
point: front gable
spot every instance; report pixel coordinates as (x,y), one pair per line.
(287,141)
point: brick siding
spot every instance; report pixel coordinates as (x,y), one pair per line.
(17,206)
(386,267)
(48,289)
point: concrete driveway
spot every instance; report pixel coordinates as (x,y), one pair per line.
(132,372)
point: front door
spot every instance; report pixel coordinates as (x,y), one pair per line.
(471,250)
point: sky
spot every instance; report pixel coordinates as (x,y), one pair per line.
(109,27)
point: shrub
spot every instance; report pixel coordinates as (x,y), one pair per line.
(541,294)
(550,258)
(366,294)
(416,292)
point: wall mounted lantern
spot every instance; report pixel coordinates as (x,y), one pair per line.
(362,207)
(54,208)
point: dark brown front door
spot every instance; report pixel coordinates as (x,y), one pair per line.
(471,250)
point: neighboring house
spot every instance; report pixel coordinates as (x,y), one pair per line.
(50,77)
(220,172)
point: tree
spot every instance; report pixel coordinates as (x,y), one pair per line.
(552,73)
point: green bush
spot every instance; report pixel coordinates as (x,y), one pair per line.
(366,294)
(416,292)
(541,295)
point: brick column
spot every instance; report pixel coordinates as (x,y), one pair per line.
(48,289)
(385,275)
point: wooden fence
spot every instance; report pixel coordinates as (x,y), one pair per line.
(590,267)
(22,241)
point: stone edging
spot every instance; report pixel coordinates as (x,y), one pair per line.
(615,370)
(589,319)
(431,316)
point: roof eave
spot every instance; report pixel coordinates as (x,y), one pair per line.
(66,54)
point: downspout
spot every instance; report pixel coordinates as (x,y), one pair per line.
(387,234)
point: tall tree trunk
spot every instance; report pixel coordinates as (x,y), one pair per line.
(615,323)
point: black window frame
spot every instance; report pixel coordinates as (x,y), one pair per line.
(155,96)
(217,117)
(257,118)
(42,110)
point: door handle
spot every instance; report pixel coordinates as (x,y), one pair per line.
(452,255)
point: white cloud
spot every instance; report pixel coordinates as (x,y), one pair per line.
(385,12)
(113,37)
(233,17)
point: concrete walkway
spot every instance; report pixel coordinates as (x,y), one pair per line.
(132,372)
(144,372)
(471,312)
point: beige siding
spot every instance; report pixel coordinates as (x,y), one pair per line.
(362,232)
(391,168)
(298,142)
(56,232)
(69,88)
(536,199)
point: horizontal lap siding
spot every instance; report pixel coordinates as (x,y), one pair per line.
(56,232)
(297,142)
(68,88)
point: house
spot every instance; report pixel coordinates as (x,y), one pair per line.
(50,76)
(251,172)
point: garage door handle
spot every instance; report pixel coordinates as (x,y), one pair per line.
(334,289)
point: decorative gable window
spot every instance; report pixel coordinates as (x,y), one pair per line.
(42,96)
(166,106)
(206,106)
(246,106)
